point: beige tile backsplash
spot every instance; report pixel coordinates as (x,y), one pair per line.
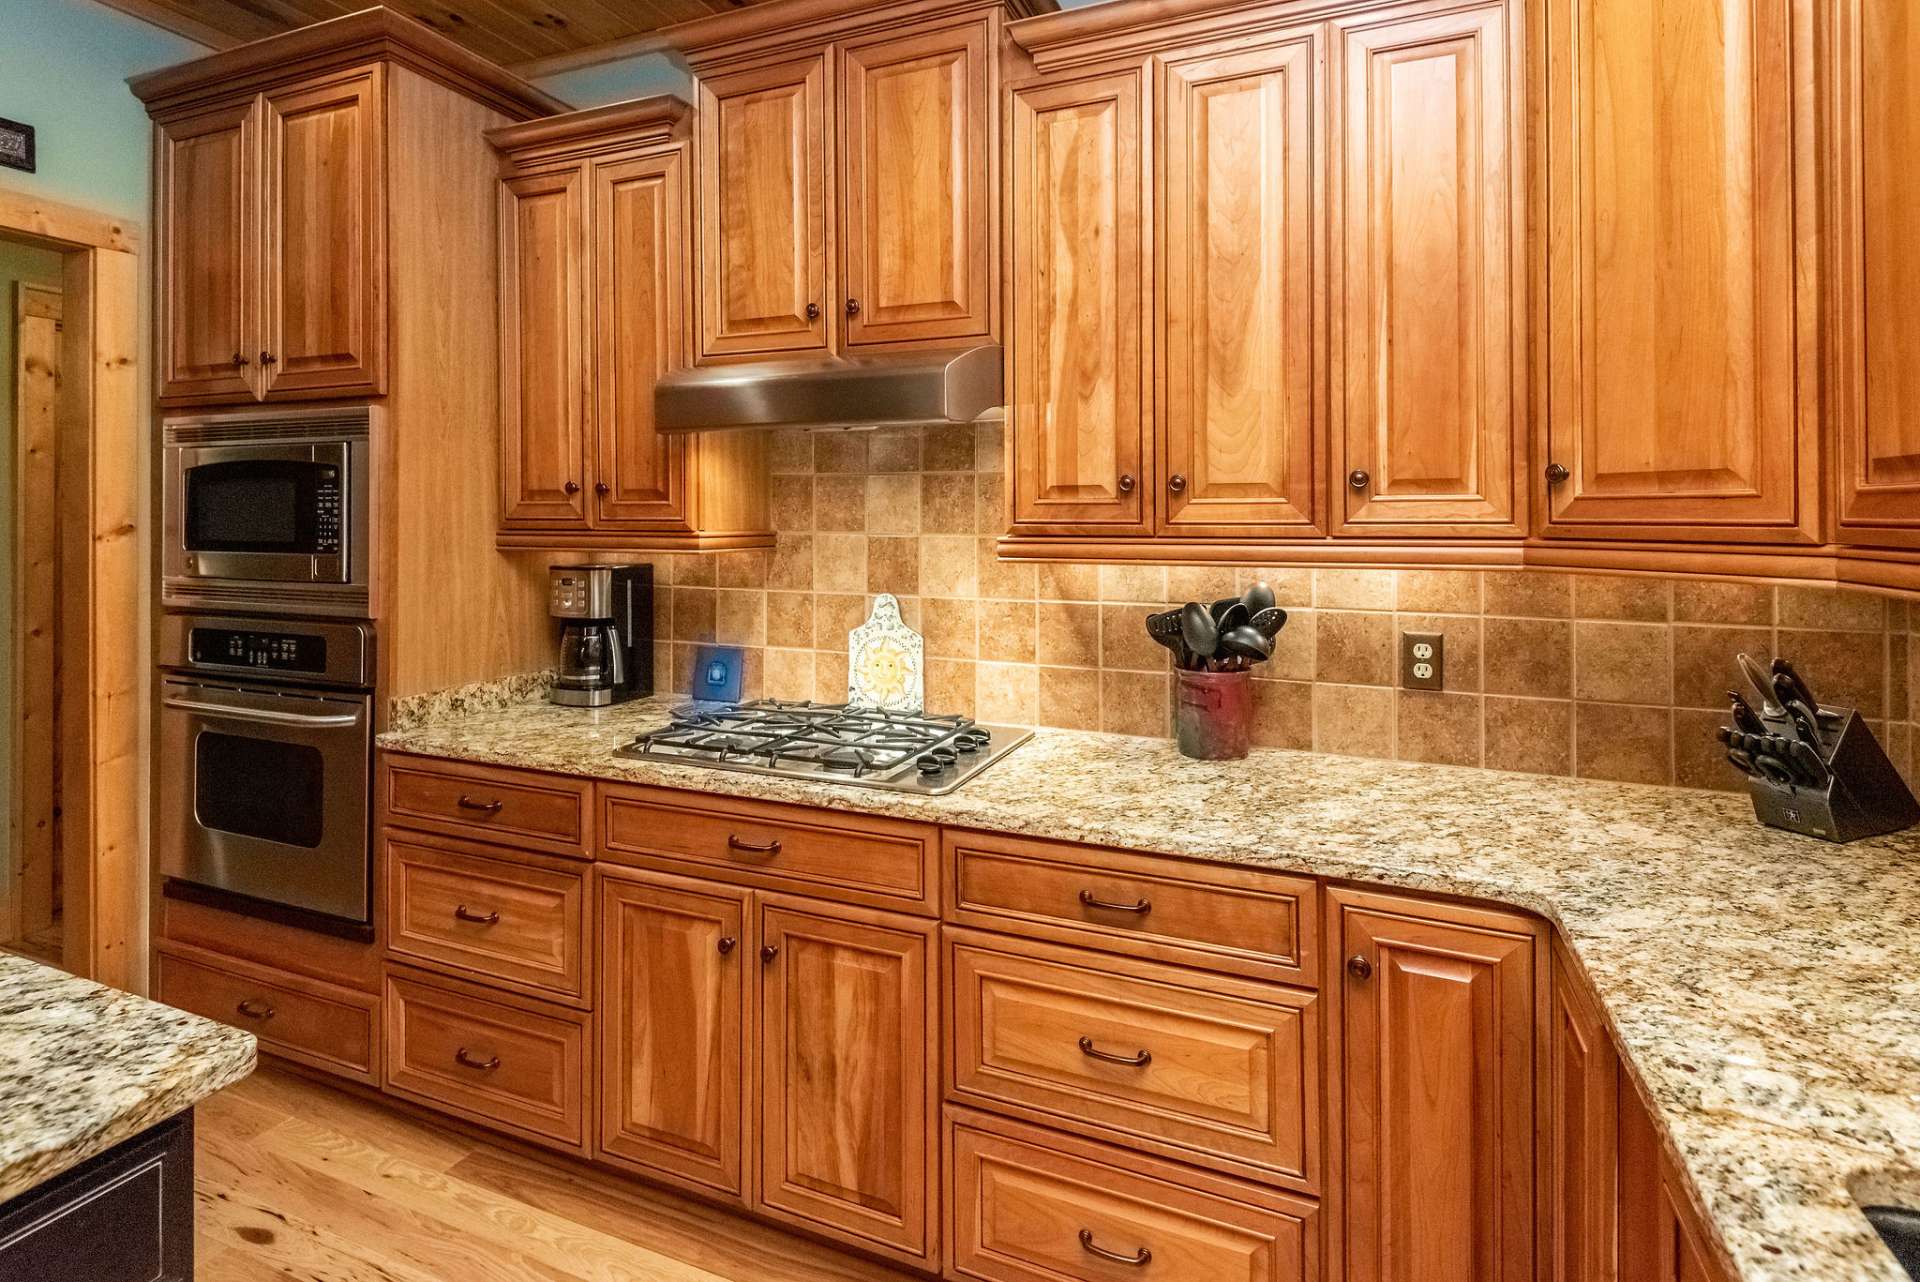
(1599,676)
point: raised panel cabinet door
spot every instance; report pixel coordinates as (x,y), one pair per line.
(1076,209)
(543,369)
(764,268)
(1670,217)
(675,967)
(639,235)
(1876,271)
(323,256)
(1581,1152)
(847,1108)
(1659,1240)
(1438,1008)
(209,213)
(1427,278)
(916,214)
(1238,263)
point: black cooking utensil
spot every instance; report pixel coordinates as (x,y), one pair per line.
(1219,608)
(1257,598)
(1247,643)
(1198,630)
(1234,616)
(1268,621)
(1164,628)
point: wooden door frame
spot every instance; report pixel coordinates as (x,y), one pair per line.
(99,433)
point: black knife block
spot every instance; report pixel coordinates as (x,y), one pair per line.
(1864,795)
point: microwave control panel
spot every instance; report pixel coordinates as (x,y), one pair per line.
(326,502)
(262,651)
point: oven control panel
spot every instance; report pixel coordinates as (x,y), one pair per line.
(264,651)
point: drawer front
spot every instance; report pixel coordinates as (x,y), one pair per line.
(511,1066)
(877,863)
(517,808)
(316,1024)
(1147,1055)
(1224,918)
(1066,1212)
(504,920)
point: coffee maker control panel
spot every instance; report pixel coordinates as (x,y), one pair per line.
(572,596)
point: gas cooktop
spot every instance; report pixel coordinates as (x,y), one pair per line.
(828,742)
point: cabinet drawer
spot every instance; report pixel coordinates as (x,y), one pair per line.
(515,920)
(503,1062)
(1028,1206)
(1216,1071)
(301,1019)
(875,862)
(519,808)
(1223,918)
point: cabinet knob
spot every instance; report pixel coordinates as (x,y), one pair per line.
(1358,479)
(768,952)
(571,487)
(239,360)
(1359,967)
(254,1008)
(601,487)
(813,311)
(1126,483)
(1556,474)
(268,358)
(1176,483)
(853,307)
(726,944)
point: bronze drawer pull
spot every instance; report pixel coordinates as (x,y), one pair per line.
(484,807)
(726,944)
(1139,1259)
(1144,906)
(486,1065)
(254,1008)
(1139,1060)
(465,913)
(768,952)
(753,847)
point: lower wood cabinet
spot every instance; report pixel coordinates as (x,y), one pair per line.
(321,1025)
(674,999)
(1580,1149)
(846,1094)
(1029,1206)
(1438,1009)
(1659,1238)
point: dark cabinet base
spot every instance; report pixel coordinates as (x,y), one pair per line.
(124,1216)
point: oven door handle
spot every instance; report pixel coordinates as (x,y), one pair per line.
(268,715)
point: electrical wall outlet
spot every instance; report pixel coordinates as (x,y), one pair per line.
(1423,661)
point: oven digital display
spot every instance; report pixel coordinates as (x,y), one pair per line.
(267,651)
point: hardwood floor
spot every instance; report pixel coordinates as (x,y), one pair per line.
(298,1182)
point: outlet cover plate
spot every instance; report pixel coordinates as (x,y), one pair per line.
(1423,661)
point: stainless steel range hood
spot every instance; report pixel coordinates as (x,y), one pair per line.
(947,386)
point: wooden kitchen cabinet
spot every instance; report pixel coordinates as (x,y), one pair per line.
(675,975)
(846,1090)
(1874,265)
(1674,139)
(1426,296)
(1240,243)
(1581,1152)
(1078,408)
(274,256)
(1438,1004)
(595,306)
(1660,1239)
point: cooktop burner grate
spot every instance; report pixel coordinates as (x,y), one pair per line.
(913,752)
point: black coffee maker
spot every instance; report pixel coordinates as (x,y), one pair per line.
(606,638)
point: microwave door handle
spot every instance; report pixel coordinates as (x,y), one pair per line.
(268,715)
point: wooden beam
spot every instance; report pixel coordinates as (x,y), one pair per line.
(168,18)
(52,225)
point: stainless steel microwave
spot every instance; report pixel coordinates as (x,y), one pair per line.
(269,512)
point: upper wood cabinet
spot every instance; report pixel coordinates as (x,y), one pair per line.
(845,194)
(675,974)
(1239,247)
(765,276)
(1675,136)
(1426,222)
(274,254)
(1078,404)
(1438,1005)
(595,283)
(846,1089)
(1874,261)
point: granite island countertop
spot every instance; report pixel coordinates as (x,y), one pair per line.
(84,1067)
(1764,987)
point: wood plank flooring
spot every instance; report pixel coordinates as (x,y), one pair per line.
(298,1182)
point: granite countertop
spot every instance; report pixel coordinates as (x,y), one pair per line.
(1764,987)
(84,1066)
